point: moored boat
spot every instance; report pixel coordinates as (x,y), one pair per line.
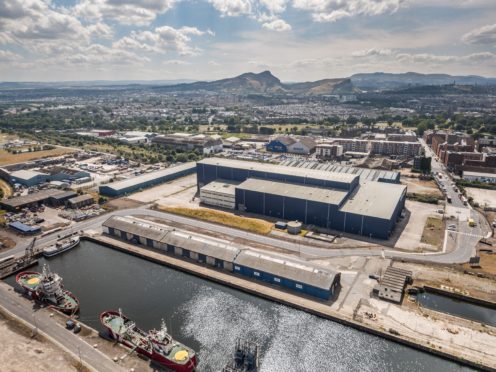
(61,246)
(47,287)
(157,345)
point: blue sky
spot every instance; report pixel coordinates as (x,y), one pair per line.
(298,40)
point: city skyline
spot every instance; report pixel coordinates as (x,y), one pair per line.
(297,40)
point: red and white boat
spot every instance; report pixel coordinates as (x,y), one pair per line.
(157,345)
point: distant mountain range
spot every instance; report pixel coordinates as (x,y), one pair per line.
(264,83)
(388,81)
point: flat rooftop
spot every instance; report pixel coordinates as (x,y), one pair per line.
(25,174)
(31,198)
(147,177)
(374,199)
(365,174)
(280,169)
(221,186)
(313,193)
(297,270)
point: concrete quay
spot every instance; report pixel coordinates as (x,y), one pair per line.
(395,327)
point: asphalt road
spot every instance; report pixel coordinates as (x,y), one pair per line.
(16,304)
(465,241)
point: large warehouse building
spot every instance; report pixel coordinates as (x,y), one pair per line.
(146,180)
(337,201)
(290,273)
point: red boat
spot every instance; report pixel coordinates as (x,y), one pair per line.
(156,345)
(47,287)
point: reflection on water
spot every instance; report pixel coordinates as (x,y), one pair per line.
(209,317)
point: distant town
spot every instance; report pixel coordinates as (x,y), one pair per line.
(366,204)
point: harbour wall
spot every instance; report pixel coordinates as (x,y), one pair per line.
(312,306)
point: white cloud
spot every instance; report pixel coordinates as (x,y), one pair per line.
(274,6)
(163,40)
(129,12)
(232,8)
(278,25)
(485,35)
(38,20)
(371,52)
(332,10)
(8,56)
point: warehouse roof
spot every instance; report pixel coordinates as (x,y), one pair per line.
(297,270)
(278,169)
(135,226)
(318,194)
(80,198)
(147,177)
(19,226)
(374,199)
(24,174)
(64,195)
(31,198)
(202,244)
(221,186)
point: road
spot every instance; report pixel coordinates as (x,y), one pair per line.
(22,308)
(465,237)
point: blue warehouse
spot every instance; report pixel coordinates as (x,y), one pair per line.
(334,201)
(274,269)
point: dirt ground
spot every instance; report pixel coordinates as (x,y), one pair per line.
(22,353)
(421,187)
(433,233)
(8,158)
(122,203)
(453,277)
(410,237)
(482,196)
(7,242)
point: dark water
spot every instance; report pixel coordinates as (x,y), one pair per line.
(210,317)
(459,308)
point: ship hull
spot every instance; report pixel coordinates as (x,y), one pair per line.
(55,252)
(188,367)
(32,293)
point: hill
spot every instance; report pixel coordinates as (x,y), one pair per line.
(263,83)
(388,81)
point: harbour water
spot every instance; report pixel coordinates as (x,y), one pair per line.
(456,307)
(209,317)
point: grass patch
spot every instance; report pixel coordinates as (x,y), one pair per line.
(433,233)
(8,158)
(244,223)
(423,198)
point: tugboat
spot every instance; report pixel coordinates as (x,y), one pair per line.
(157,345)
(47,287)
(61,246)
(245,358)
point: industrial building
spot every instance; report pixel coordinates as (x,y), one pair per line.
(211,169)
(60,199)
(24,229)
(186,142)
(392,284)
(80,201)
(293,274)
(295,145)
(219,193)
(30,200)
(146,180)
(365,174)
(335,201)
(478,176)
(35,177)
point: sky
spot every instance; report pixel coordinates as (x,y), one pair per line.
(297,40)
